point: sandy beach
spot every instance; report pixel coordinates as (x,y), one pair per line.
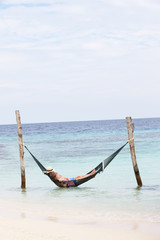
(23,221)
(33,229)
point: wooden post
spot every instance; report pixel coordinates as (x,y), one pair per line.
(21,151)
(130,127)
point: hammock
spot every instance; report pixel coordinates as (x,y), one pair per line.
(73,182)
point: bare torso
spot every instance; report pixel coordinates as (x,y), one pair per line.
(61,181)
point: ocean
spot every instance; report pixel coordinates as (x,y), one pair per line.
(75,148)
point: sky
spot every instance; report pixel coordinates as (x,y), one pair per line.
(69,60)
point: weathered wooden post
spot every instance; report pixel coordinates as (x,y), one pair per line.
(130,127)
(21,151)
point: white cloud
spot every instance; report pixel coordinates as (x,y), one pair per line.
(148,3)
(142,3)
(86,52)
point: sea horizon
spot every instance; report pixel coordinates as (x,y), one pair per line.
(71,121)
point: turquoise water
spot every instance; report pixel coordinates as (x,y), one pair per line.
(74,148)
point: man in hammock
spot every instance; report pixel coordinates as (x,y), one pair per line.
(68,182)
(74,182)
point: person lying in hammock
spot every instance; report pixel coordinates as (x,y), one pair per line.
(74,182)
(68,182)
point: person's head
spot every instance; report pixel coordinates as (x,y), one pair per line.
(50,169)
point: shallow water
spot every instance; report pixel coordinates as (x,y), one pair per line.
(74,148)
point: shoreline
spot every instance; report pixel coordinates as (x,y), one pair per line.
(26,221)
(34,230)
(26,228)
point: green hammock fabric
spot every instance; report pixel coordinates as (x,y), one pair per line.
(104,164)
(36,160)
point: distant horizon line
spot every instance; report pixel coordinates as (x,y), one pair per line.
(71,121)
